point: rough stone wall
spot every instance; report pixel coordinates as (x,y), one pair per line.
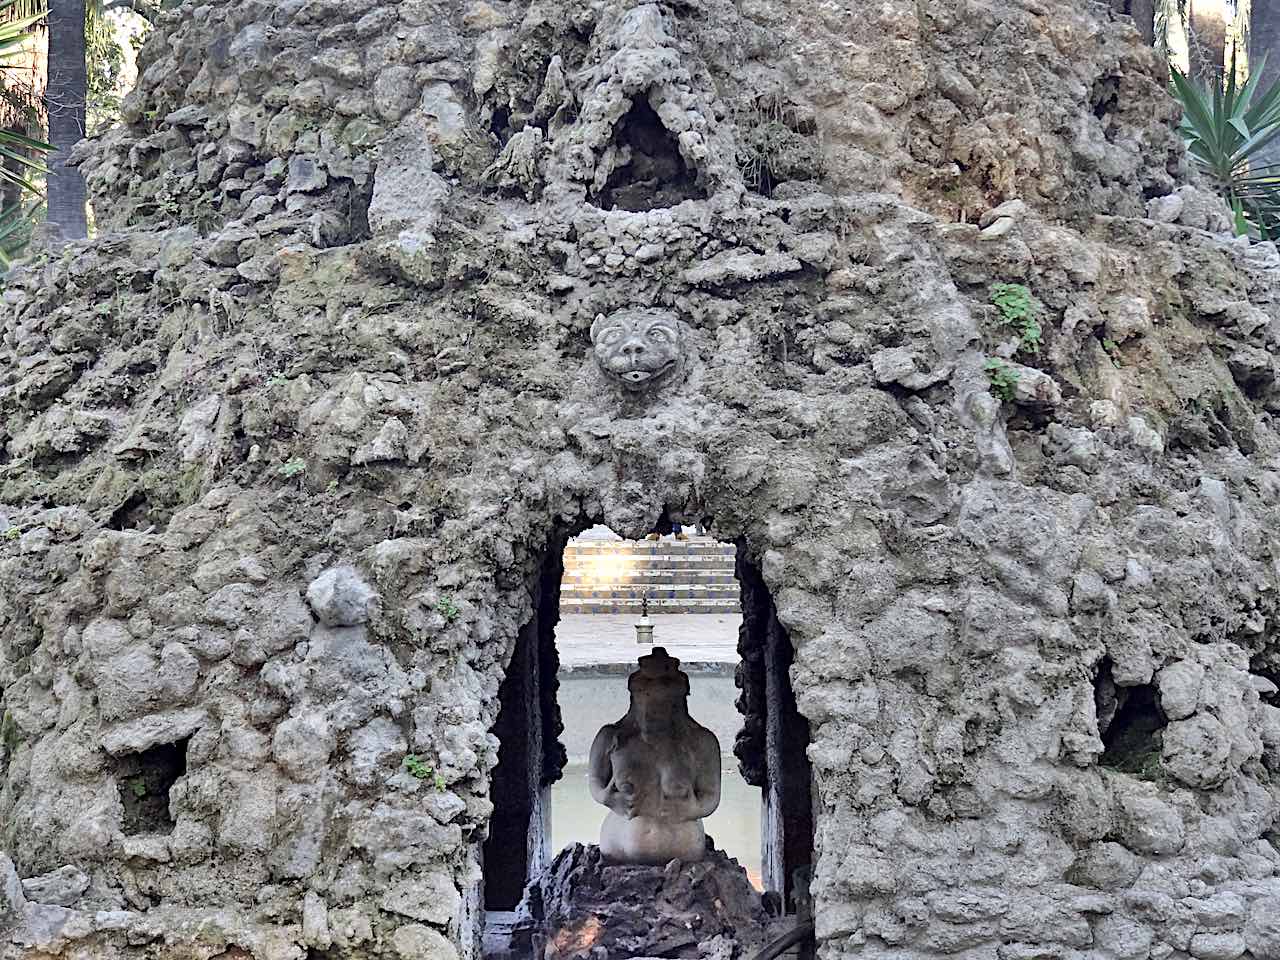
(281,451)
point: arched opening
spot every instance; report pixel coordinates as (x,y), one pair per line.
(709,606)
(651,173)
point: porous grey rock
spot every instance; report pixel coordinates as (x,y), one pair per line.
(315,922)
(302,745)
(1034,388)
(1179,685)
(61,887)
(415,941)
(428,897)
(12,900)
(1197,751)
(1150,825)
(339,597)
(1262,931)
(311,331)
(1217,946)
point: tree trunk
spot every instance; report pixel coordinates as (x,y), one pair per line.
(1264,40)
(65,99)
(1143,13)
(1207,39)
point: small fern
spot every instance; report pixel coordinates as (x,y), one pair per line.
(1017,310)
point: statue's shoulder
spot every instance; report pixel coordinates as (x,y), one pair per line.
(705,739)
(609,734)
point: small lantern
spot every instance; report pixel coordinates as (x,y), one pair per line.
(644,626)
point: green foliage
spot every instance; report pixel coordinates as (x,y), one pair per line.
(1003,378)
(104,65)
(11,533)
(138,787)
(9,732)
(1227,129)
(1143,762)
(20,108)
(1113,351)
(448,608)
(1017,310)
(423,771)
(292,468)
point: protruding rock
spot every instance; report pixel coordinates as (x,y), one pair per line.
(1179,685)
(315,922)
(339,597)
(1262,932)
(12,900)
(61,887)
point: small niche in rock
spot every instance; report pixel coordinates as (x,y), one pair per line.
(656,176)
(500,124)
(1266,665)
(133,514)
(144,780)
(1131,723)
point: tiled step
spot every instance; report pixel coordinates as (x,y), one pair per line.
(632,606)
(664,592)
(587,577)
(667,547)
(677,576)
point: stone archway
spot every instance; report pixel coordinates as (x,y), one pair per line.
(771,747)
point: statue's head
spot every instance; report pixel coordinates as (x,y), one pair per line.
(659,690)
(637,348)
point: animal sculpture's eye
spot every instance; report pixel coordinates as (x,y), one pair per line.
(660,334)
(610,336)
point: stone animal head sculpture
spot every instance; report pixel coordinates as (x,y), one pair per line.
(638,348)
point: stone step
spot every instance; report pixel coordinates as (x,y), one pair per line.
(622,591)
(648,562)
(588,577)
(633,606)
(669,548)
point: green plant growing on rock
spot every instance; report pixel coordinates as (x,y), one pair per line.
(1003,378)
(422,770)
(448,608)
(1113,352)
(292,468)
(137,787)
(9,732)
(11,533)
(1013,301)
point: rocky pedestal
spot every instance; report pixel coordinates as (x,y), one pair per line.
(584,908)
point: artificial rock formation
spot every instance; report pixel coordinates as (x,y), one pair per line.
(583,907)
(284,447)
(657,770)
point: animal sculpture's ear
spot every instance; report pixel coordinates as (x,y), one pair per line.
(596,325)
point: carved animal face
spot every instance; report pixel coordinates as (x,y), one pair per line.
(637,348)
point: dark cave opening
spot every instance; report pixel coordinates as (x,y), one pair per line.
(771,749)
(1131,723)
(144,780)
(133,514)
(655,175)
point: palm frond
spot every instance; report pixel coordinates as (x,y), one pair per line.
(1227,128)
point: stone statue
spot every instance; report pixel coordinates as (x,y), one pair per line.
(656,769)
(637,348)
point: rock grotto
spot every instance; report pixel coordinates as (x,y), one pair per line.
(386,303)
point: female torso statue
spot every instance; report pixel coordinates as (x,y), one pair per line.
(656,769)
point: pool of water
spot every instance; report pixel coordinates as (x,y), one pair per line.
(735,826)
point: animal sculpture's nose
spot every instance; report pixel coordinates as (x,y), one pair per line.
(633,348)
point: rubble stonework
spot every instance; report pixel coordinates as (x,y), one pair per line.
(281,451)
